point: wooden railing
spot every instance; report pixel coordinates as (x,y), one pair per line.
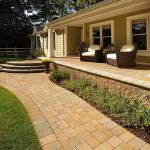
(15,52)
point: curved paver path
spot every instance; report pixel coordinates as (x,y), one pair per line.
(63,121)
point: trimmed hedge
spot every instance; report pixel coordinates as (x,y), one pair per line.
(127,113)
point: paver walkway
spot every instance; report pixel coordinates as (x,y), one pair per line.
(63,121)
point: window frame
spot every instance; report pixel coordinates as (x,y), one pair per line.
(100,25)
(130,19)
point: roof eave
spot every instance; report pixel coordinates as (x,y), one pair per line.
(82,11)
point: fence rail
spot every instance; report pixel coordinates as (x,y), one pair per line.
(14,52)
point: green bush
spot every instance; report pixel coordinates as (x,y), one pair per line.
(38,53)
(127,113)
(58,76)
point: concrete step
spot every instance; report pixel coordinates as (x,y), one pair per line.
(10,66)
(21,70)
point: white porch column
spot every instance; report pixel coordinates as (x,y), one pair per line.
(65,42)
(50,43)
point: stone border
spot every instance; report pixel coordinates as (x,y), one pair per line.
(126,90)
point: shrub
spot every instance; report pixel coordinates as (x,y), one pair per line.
(45,60)
(38,53)
(58,76)
(76,85)
(127,113)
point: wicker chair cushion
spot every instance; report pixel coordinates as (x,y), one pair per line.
(92,53)
(111,56)
(93,48)
(127,48)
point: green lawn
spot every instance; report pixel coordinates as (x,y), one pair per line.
(16,130)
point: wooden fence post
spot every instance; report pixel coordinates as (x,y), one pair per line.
(15,52)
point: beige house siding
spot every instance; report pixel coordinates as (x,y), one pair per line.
(81,35)
(86,33)
(144,59)
(43,43)
(59,43)
(73,39)
(120,28)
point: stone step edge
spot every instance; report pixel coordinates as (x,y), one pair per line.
(24,63)
(22,71)
(22,67)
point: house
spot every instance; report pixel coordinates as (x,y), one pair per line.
(115,22)
(39,39)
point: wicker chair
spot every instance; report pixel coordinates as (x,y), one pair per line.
(93,53)
(123,58)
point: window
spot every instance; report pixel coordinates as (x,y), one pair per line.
(106,35)
(139,35)
(102,34)
(138,28)
(96,35)
(54,40)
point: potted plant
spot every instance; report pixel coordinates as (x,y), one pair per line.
(46,62)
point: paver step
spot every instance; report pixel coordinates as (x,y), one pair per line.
(21,70)
(24,63)
(8,66)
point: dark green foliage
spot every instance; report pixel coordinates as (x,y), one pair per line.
(16,129)
(59,76)
(14,24)
(125,112)
(17,17)
(80,4)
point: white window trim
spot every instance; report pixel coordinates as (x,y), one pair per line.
(111,22)
(129,32)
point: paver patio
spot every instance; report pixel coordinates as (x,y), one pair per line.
(138,75)
(63,121)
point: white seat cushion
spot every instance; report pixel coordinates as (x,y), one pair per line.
(111,56)
(88,54)
(94,48)
(127,48)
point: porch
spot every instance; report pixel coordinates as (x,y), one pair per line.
(138,76)
(117,23)
(130,83)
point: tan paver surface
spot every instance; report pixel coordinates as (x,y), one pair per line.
(63,121)
(139,75)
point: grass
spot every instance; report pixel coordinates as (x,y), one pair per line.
(16,129)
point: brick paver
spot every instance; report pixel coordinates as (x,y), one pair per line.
(63,121)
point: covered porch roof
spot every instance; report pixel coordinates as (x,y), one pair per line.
(102,10)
